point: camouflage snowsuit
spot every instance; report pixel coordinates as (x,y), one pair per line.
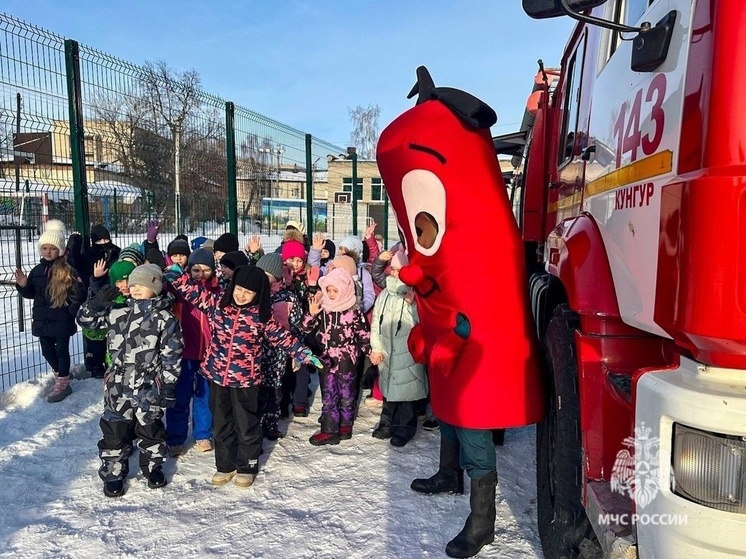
(145,344)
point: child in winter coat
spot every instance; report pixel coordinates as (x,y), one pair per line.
(192,386)
(145,345)
(58,292)
(287,310)
(322,253)
(342,332)
(241,320)
(303,280)
(402,381)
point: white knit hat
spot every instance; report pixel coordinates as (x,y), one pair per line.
(54,234)
(352,243)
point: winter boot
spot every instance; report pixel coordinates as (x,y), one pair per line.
(345,432)
(382,432)
(221,478)
(449,478)
(61,390)
(479,529)
(114,488)
(322,438)
(244,481)
(156,478)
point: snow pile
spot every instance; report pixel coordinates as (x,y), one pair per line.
(350,500)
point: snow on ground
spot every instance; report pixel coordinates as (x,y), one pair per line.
(347,501)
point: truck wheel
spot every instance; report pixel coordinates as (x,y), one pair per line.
(563,526)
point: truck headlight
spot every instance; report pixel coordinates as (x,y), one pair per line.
(708,468)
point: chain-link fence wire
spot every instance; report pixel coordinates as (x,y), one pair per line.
(155,149)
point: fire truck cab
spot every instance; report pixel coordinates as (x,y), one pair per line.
(631,198)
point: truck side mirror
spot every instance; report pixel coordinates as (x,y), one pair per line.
(541,9)
(650,47)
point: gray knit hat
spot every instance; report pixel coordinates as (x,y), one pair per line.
(272,264)
(147,275)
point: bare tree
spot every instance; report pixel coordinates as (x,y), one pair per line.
(364,134)
(173,96)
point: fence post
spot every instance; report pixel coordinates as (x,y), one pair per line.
(230,146)
(385,219)
(353,155)
(77,149)
(309,188)
(116,215)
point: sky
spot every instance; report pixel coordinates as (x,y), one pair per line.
(306,62)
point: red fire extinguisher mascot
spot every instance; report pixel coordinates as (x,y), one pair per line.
(466,265)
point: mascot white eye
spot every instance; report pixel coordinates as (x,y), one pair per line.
(425,200)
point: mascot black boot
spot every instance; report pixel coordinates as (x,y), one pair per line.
(479,529)
(449,477)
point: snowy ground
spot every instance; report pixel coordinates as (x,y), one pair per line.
(345,501)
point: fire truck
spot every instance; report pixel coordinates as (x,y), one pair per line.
(631,199)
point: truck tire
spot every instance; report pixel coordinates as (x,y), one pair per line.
(564,529)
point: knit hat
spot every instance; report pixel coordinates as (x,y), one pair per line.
(178,246)
(147,275)
(99,232)
(182,236)
(198,242)
(272,264)
(293,249)
(399,260)
(120,270)
(234,259)
(209,244)
(340,279)
(133,253)
(331,247)
(296,225)
(352,243)
(54,234)
(202,256)
(227,242)
(254,279)
(346,263)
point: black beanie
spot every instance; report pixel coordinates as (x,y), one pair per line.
(234,259)
(227,242)
(181,236)
(254,279)
(99,232)
(178,246)
(332,248)
(202,256)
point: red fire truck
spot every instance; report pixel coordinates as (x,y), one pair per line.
(631,198)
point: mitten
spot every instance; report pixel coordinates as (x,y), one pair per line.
(369,377)
(167,397)
(152,231)
(104,298)
(310,359)
(155,256)
(313,276)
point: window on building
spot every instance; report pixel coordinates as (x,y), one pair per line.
(347,186)
(376,189)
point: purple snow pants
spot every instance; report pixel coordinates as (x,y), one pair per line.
(338,396)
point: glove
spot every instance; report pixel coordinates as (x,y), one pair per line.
(152,232)
(369,376)
(316,363)
(105,297)
(155,256)
(167,397)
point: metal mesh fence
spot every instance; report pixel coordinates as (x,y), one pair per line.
(155,148)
